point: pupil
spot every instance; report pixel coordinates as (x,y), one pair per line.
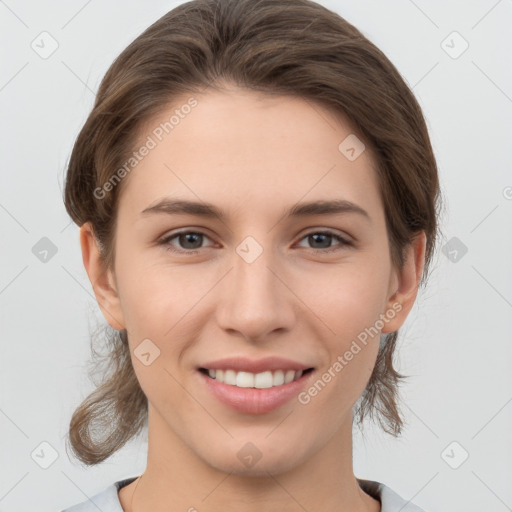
(190,237)
(315,237)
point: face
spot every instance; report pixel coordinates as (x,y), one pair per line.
(257,282)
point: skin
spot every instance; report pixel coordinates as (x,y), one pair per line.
(254,156)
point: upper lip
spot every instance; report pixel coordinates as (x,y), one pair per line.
(244,364)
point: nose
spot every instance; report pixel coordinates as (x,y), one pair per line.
(255,300)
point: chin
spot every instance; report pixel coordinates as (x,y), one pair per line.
(253,459)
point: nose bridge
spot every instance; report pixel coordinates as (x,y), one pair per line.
(254,300)
(252,265)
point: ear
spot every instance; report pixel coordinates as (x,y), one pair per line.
(405,283)
(102,280)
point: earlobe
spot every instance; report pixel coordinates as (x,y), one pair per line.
(101,279)
(409,277)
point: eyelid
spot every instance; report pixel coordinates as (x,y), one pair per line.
(203,231)
(343,240)
(330,231)
(173,234)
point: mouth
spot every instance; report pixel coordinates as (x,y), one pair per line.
(262,380)
(255,393)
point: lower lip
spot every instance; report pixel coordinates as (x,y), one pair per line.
(254,400)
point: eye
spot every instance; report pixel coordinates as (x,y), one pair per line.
(191,241)
(324,238)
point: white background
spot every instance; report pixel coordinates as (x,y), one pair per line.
(457,341)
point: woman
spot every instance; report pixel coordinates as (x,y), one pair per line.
(288,151)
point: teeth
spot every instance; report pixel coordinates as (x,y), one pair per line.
(261,380)
(290,375)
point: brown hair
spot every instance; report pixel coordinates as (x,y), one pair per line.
(287,47)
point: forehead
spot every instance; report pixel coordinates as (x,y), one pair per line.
(240,148)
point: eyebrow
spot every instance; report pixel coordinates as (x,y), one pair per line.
(207,210)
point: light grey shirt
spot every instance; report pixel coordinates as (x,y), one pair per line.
(108,499)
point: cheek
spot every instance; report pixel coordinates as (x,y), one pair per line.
(352,350)
(154,297)
(349,306)
(349,299)
(155,309)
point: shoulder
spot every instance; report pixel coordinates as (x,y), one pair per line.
(107,500)
(390,501)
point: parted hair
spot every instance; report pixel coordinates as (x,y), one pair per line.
(286,47)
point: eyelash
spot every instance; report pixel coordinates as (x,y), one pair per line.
(165,241)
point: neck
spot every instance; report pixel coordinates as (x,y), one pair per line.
(176,475)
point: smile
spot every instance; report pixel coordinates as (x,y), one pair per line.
(262,380)
(255,393)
